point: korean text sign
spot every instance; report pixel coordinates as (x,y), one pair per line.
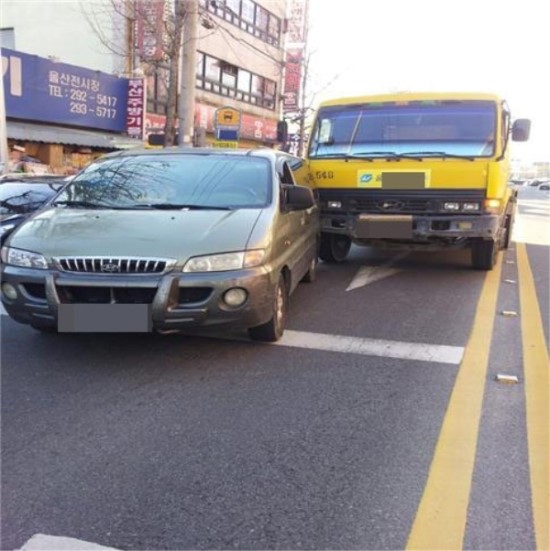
(42,90)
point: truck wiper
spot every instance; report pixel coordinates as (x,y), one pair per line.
(387,154)
(178,206)
(442,154)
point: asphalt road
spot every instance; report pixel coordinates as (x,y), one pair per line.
(173,442)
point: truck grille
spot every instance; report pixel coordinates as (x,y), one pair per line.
(113,265)
(379,201)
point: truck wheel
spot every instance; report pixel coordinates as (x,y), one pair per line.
(273,330)
(484,254)
(508,225)
(334,247)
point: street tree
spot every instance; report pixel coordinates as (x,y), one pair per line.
(118,25)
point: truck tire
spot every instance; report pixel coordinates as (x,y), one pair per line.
(484,254)
(508,226)
(334,247)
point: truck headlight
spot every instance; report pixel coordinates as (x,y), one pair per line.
(225,262)
(492,205)
(451,206)
(25,259)
(471,207)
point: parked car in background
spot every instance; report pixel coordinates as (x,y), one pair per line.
(21,195)
(543,185)
(166,240)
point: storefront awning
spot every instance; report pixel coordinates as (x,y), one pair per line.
(30,132)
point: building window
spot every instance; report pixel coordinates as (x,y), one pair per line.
(225,79)
(247,10)
(229,75)
(248,16)
(212,68)
(243,80)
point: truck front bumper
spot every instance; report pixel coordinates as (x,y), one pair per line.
(411,227)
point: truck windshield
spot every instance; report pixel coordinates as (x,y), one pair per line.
(172,181)
(433,129)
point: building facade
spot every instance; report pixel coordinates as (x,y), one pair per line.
(240,64)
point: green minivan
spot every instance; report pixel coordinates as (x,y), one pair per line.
(166,241)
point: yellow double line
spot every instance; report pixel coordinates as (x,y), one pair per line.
(441,516)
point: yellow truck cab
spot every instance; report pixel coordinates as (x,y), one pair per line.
(415,170)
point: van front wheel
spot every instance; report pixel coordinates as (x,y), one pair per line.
(273,330)
(334,247)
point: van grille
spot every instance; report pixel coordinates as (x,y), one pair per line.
(70,294)
(114,265)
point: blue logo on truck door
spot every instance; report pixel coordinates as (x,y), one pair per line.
(366,178)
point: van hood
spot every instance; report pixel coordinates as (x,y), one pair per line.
(144,233)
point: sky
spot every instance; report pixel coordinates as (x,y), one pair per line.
(361,47)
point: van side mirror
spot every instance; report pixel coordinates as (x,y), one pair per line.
(521,130)
(298,198)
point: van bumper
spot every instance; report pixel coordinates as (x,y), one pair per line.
(175,301)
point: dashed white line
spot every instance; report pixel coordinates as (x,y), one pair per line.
(373,347)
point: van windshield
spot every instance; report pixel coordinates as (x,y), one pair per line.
(431,128)
(172,181)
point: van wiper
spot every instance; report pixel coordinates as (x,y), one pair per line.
(82,204)
(179,206)
(442,154)
(383,154)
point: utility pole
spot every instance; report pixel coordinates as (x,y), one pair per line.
(303,108)
(186,104)
(4,152)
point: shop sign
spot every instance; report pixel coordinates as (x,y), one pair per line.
(293,78)
(227,117)
(135,121)
(149,21)
(225,144)
(42,90)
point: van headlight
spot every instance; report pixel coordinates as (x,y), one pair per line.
(225,262)
(25,259)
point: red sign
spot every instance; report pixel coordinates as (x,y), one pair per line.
(135,120)
(293,79)
(149,21)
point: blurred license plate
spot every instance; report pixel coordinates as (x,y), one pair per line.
(104,318)
(384,226)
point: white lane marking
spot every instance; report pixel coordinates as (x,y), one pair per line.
(43,542)
(373,347)
(370,274)
(2,310)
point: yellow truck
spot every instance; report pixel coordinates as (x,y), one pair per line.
(420,171)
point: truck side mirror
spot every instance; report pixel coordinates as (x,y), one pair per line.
(521,130)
